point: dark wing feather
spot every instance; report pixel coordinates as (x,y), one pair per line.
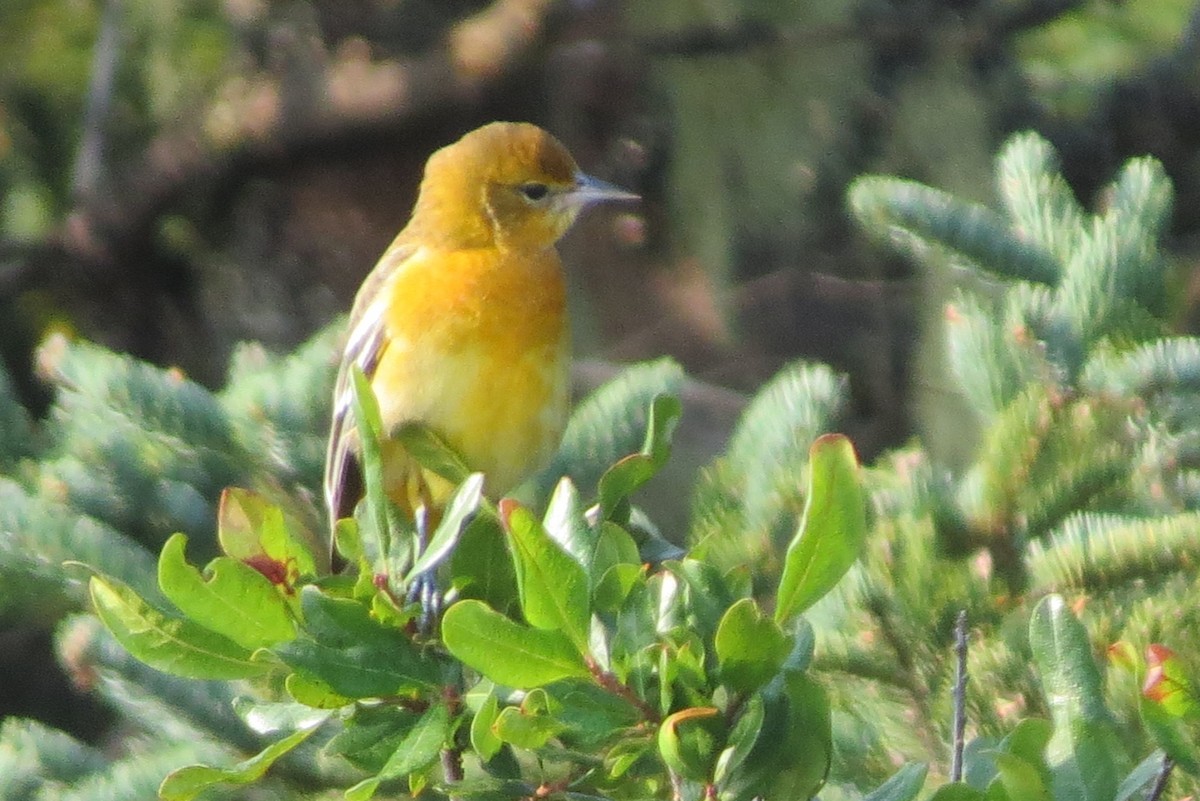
(365,345)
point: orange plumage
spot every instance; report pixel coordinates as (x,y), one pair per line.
(462,325)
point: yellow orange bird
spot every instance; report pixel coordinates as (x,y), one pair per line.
(462,325)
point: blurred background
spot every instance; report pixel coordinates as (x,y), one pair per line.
(180,176)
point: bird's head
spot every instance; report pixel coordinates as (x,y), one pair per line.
(506,184)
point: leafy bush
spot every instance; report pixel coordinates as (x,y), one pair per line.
(802,642)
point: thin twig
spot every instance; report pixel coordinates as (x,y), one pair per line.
(610,682)
(1164,776)
(452,756)
(960,696)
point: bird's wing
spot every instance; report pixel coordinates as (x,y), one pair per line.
(365,345)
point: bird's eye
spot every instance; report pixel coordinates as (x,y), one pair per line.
(534,191)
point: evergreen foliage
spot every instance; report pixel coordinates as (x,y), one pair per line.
(801,642)
(130,453)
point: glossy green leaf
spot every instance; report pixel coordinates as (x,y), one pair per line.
(613,546)
(1168,685)
(507,652)
(355,655)
(371,736)
(904,785)
(374,525)
(171,645)
(432,452)
(235,600)
(553,586)
(1083,754)
(314,692)
(348,542)
(627,475)
(188,782)
(565,523)
(253,530)
(455,518)
(1021,779)
(481,567)
(419,749)
(690,740)
(833,529)
(750,646)
(483,738)
(957,792)
(1028,740)
(1140,777)
(742,737)
(590,714)
(609,423)
(271,717)
(791,755)
(1171,734)
(525,730)
(615,585)
(706,596)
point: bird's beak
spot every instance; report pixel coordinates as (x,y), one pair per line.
(589,190)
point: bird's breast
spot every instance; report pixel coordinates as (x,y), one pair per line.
(479,351)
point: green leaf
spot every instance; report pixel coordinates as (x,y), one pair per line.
(525,729)
(1028,741)
(904,785)
(1171,735)
(314,693)
(833,530)
(614,566)
(630,473)
(371,736)
(355,655)
(432,452)
(750,647)
(565,523)
(1144,774)
(1021,778)
(1084,753)
(769,448)
(613,546)
(706,596)
(957,792)
(463,505)
(171,645)
(742,738)
(418,750)
(610,423)
(553,586)
(791,755)
(1168,685)
(483,737)
(253,530)
(615,585)
(690,740)
(1167,703)
(188,782)
(236,601)
(506,652)
(590,715)
(375,529)
(481,567)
